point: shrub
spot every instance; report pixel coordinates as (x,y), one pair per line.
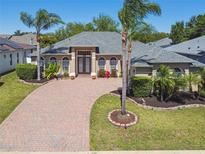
(101,73)
(114,73)
(202,93)
(51,71)
(141,86)
(66,74)
(26,71)
(107,74)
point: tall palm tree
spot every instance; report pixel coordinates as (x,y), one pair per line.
(42,21)
(130,15)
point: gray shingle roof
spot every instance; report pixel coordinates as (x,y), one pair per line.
(10,43)
(108,42)
(143,55)
(29,38)
(165,42)
(194,46)
(6,45)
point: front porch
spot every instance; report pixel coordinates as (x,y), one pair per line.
(83,60)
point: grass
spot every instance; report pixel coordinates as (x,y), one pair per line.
(12,93)
(179,129)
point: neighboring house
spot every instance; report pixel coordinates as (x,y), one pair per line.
(88,52)
(29,38)
(12,53)
(6,36)
(193,49)
(163,43)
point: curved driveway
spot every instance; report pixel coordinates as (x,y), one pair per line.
(55,117)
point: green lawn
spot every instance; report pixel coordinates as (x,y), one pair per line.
(180,129)
(12,93)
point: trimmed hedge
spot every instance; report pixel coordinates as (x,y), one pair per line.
(202,93)
(26,71)
(141,86)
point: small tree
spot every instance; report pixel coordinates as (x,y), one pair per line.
(42,21)
(201,72)
(193,79)
(164,81)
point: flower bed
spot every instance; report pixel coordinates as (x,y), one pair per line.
(182,99)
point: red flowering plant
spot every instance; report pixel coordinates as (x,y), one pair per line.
(107,74)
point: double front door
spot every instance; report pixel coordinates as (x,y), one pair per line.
(84,64)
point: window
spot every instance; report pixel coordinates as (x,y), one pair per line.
(113,63)
(53,60)
(65,64)
(101,63)
(11,60)
(178,71)
(17,58)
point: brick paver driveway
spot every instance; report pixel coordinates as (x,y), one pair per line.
(55,117)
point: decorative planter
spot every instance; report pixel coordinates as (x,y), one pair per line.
(93,75)
(72,77)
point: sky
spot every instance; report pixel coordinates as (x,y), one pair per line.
(84,10)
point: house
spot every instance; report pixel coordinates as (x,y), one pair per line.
(12,53)
(193,49)
(5,36)
(89,52)
(29,38)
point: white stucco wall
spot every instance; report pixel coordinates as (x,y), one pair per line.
(5,59)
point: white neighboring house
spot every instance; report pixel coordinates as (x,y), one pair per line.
(12,53)
(29,39)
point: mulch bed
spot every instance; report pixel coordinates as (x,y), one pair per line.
(182,98)
(117,117)
(1,83)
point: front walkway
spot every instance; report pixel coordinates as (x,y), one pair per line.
(55,117)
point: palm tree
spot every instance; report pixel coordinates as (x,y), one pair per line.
(193,79)
(165,81)
(130,15)
(42,21)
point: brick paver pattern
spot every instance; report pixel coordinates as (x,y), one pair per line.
(55,117)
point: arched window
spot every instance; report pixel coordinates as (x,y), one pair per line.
(65,64)
(178,71)
(53,60)
(113,63)
(101,63)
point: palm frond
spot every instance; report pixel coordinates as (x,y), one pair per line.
(27,19)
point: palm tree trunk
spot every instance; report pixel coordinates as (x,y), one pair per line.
(38,58)
(128,66)
(124,73)
(162,94)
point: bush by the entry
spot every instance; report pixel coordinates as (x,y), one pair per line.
(101,73)
(141,86)
(26,71)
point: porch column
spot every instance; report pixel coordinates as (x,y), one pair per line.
(119,67)
(154,72)
(72,64)
(186,71)
(93,64)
